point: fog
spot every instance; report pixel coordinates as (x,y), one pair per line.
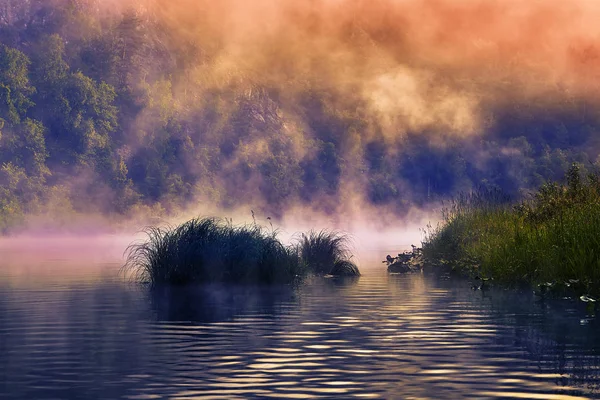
(362,116)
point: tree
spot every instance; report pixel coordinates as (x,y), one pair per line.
(79,112)
(15,88)
(50,68)
(25,146)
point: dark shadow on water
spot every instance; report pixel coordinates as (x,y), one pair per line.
(219,302)
(559,335)
(342,281)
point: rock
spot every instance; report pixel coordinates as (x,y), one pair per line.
(399,267)
(405,262)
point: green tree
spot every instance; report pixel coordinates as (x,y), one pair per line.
(25,146)
(80,113)
(15,88)
(50,70)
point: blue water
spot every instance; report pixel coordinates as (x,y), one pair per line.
(78,331)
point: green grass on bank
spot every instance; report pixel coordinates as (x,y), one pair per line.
(212,250)
(553,237)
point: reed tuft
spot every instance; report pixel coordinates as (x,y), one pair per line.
(213,250)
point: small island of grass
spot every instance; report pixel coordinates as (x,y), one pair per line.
(212,250)
(550,241)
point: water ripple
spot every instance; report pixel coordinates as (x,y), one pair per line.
(381,337)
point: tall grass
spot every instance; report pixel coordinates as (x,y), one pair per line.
(212,250)
(552,237)
(327,253)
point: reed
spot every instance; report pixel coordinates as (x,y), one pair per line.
(213,250)
(327,253)
(552,238)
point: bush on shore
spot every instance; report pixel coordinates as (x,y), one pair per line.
(212,250)
(551,239)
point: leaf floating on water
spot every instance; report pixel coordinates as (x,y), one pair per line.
(587,299)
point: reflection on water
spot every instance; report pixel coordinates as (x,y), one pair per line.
(217,302)
(91,336)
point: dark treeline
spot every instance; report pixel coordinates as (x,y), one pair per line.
(101,112)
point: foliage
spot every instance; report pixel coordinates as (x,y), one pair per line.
(212,250)
(15,88)
(551,237)
(111,103)
(326,253)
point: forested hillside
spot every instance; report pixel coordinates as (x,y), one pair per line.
(113,107)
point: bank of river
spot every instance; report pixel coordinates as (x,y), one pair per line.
(80,332)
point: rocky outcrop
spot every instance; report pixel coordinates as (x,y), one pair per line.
(409,261)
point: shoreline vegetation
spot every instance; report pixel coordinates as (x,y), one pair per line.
(550,241)
(213,250)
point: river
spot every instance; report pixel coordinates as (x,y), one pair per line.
(75,330)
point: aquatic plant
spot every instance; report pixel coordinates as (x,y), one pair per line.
(327,253)
(552,237)
(213,250)
(208,250)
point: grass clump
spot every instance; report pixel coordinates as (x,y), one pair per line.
(551,239)
(327,253)
(212,250)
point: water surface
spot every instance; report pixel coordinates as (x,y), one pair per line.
(74,330)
